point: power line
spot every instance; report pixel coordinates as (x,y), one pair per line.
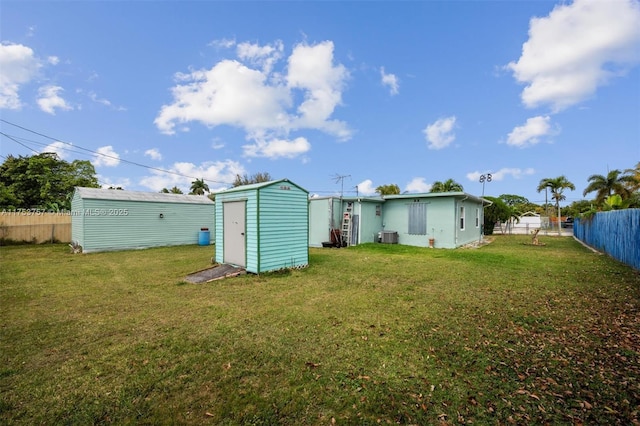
(91,151)
(18,142)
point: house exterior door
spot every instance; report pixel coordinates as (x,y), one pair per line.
(234,233)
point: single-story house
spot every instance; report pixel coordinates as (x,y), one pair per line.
(107,219)
(439,220)
(263,227)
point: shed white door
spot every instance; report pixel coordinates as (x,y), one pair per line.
(234,233)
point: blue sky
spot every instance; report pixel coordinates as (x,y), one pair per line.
(158,93)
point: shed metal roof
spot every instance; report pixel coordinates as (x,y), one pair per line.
(260,185)
(155,197)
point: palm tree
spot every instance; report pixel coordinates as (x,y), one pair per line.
(390,189)
(605,186)
(632,178)
(557,187)
(448,185)
(545,184)
(199,187)
(176,190)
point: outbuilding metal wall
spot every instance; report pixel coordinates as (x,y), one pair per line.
(616,233)
(105,220)
(277,225)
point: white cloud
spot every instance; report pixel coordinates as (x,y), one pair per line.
(277,148)
(366,187)
(440,134)
(49,99)
(501,174)
(576,49)
(53,60)
(223,43)
(217,144)
(59,148)
(113,183)
(418,184)
(106,157)
(94,97)
(218,175)
(154,154)
(19,66)
(263,56)
(229,93)
(391,81)
(531,132)
(261,101)
(311,69)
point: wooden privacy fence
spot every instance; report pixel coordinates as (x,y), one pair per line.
(35,226)
(616,233)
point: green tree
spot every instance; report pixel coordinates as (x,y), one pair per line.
(545,185)
(498,211)
(448,185)
(248,180)
(577,207)
(174,190)
(614,202)
(632,179)
(513,200)
(390,189)
(42,181)
(199,187)
(556,186)
(605,186)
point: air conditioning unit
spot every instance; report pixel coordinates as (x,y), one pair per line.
(389,237)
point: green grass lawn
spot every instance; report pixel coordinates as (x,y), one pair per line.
(506,334)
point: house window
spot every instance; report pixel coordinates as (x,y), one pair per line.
(477,218)
(378,210)
(462,218)
(417,218)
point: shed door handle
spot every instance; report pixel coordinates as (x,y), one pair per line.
(242,233)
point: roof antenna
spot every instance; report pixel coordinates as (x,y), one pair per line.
(340,178)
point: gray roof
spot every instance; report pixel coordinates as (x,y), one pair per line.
(259,185)
(155,197)
(459,195)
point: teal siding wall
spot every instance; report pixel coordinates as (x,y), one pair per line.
(77,220)
(369,224)
(324,213)
(277,225)
(105,225)
(440,221)
(471,232)
(284,227)
(443,220)
(319,221)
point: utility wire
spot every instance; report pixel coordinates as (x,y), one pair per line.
(18,142)
(93,152)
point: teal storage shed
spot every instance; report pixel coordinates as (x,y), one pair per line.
(107,220)
(263,227)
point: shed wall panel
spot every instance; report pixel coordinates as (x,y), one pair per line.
(284,227)
(77,220)
(117,225)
